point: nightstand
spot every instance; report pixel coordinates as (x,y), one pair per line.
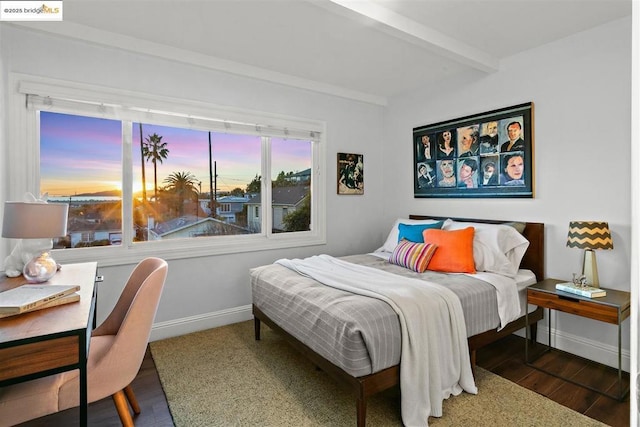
(612,308)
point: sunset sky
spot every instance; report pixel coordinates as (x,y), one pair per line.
(83,155)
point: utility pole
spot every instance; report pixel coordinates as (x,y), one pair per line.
(198,199)
(212,190)
(215,180)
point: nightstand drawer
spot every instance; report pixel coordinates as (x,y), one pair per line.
(569,304)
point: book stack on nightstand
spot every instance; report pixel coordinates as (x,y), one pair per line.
(585,291)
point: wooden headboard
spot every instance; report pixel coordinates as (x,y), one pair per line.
(534,232)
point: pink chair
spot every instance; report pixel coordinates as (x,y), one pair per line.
(116,351)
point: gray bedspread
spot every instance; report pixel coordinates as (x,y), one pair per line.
(342,327)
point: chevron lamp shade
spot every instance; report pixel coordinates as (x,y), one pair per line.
(589,235)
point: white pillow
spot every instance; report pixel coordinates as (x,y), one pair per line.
(392,239)
(497,248)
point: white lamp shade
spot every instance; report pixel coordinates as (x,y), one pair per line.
(27,220)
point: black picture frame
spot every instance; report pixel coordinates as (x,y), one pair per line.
(350,167)
(450,157)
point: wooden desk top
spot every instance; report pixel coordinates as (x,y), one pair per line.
(57,320)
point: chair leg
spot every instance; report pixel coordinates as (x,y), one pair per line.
(120,401)
(133,402)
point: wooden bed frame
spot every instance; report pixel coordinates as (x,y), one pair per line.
(363,387)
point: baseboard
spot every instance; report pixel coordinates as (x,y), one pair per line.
(187,325)
(589,349)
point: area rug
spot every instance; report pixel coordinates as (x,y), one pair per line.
(223,377)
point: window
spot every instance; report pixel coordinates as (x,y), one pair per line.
(182,178)
(290,160)
(174,177)
(81,164)
(86,237)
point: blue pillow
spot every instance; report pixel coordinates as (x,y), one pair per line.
(413,232)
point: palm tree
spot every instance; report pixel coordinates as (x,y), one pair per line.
(182,186)
(144,180)
(156,151)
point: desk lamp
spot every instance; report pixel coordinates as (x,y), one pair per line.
(589,235)
(36,223)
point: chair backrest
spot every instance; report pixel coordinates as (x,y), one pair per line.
(145,269)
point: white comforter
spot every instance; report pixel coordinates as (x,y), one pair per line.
(435,355)
(506,293)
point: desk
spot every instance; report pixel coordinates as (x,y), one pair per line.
(51,340)
(612,308)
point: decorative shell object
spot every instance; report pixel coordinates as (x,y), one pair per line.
(40,269)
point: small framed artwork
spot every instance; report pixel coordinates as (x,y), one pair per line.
(485,155)
(350,173)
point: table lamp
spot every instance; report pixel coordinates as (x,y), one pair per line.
(36,223)
(589,235)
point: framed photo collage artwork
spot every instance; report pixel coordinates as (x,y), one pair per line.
(484,155)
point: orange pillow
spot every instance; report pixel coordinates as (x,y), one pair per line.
(455,250)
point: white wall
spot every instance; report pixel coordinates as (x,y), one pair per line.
(581,88)
(200,292)
(635,210)
(3,120)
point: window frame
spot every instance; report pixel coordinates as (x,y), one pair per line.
(23,166)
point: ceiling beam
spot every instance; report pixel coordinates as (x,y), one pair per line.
(411,31)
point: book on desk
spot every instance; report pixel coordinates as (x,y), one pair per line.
(34,297)
(67,299)
(585,291)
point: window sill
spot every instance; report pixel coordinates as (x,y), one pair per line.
(188,248)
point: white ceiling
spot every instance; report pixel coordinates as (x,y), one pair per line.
(369,49)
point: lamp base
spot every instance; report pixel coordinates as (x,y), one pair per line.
(590,268)
(23,252)
(40,269)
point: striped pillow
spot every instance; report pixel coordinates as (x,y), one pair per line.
(415,256)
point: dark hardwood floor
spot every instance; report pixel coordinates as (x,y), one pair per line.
(505,358)
(154,411)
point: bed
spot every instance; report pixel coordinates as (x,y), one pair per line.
(345,357)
